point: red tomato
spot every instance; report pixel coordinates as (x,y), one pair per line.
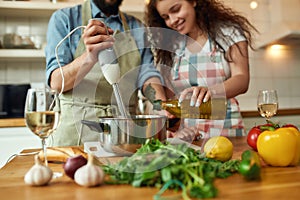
(252,137)
(290,125)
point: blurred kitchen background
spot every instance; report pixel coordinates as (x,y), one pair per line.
(274,65)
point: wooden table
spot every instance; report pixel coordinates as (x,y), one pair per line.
(276,183)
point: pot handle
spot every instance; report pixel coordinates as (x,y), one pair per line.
(94,126)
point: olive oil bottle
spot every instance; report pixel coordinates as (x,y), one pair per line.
(215,108)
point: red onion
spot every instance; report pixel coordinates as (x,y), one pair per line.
(72,164)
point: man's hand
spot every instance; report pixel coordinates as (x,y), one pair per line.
(97,37)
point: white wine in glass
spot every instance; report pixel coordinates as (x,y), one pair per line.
(267,103)
(42,113)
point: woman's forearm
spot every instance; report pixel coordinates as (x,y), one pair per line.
(157,86)
(236,85)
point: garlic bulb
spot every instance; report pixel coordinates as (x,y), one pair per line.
(38,174)
(90,174)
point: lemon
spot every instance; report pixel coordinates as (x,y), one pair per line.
(218,148)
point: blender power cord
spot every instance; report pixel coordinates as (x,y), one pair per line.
(57,58)
(56,52)
(20,154)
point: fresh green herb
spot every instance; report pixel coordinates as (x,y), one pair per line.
(184,195)
(157,163)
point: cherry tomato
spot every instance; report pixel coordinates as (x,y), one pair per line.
(252,137)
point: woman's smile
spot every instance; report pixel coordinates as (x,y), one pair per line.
(180,25)
(178,15)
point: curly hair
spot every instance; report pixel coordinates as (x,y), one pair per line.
(211,16)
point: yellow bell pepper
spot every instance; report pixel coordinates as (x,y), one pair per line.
(280,147)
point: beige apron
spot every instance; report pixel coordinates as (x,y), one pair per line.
(93,97)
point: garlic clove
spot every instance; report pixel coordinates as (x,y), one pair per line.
(38,174)
(90,174)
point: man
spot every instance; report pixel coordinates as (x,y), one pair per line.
(85,92)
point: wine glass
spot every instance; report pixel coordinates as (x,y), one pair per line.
(267,103)
(42,114)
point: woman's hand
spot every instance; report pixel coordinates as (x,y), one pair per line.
(199,95)
(97,37)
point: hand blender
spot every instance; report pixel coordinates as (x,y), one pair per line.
(111,71)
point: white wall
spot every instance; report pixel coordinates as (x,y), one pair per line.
(278,70)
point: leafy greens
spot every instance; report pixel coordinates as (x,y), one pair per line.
(156,164)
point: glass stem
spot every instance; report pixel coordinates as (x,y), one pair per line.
(45,151)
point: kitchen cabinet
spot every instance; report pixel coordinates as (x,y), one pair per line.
(22,55)
(32,9)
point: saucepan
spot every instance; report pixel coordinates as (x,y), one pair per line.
(124,135)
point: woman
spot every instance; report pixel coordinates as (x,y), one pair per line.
(216,46)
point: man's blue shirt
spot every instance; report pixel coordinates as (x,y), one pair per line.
(63,21)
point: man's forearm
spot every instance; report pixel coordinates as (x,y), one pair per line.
(73,73)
